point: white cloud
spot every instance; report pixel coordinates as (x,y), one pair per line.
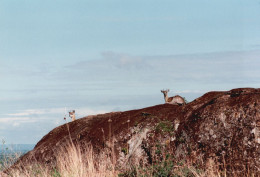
(125,61)
(8,122)
(85,111)
(33,115)
(191,91)
(16,124)
(30,112)
(14,119)
(208,68)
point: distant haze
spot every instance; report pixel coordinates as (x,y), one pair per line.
(16,148)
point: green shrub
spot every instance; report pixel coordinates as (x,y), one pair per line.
(164,126)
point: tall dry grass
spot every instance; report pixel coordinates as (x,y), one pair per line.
(71,162)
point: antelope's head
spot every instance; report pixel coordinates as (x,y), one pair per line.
(72,113)
(165,92)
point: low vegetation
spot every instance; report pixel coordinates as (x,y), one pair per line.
(73,162)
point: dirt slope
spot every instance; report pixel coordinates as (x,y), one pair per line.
(223,126)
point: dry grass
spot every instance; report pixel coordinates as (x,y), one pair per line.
(71,162)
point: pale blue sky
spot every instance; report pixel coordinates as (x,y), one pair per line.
(99,56)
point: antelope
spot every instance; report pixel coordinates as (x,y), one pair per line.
(72,115)
(173,100)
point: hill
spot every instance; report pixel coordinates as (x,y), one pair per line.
(223,127)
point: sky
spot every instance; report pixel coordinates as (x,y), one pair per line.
(113,55)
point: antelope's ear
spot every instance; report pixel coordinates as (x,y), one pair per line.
(168,90)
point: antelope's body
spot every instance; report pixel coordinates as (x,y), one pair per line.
(173,100)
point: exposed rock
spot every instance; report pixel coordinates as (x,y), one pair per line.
(224,126)
(3,174)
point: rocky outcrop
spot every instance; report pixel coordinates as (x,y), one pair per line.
(223,126)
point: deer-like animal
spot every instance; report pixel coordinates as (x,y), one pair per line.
(72,115)
(173,100)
